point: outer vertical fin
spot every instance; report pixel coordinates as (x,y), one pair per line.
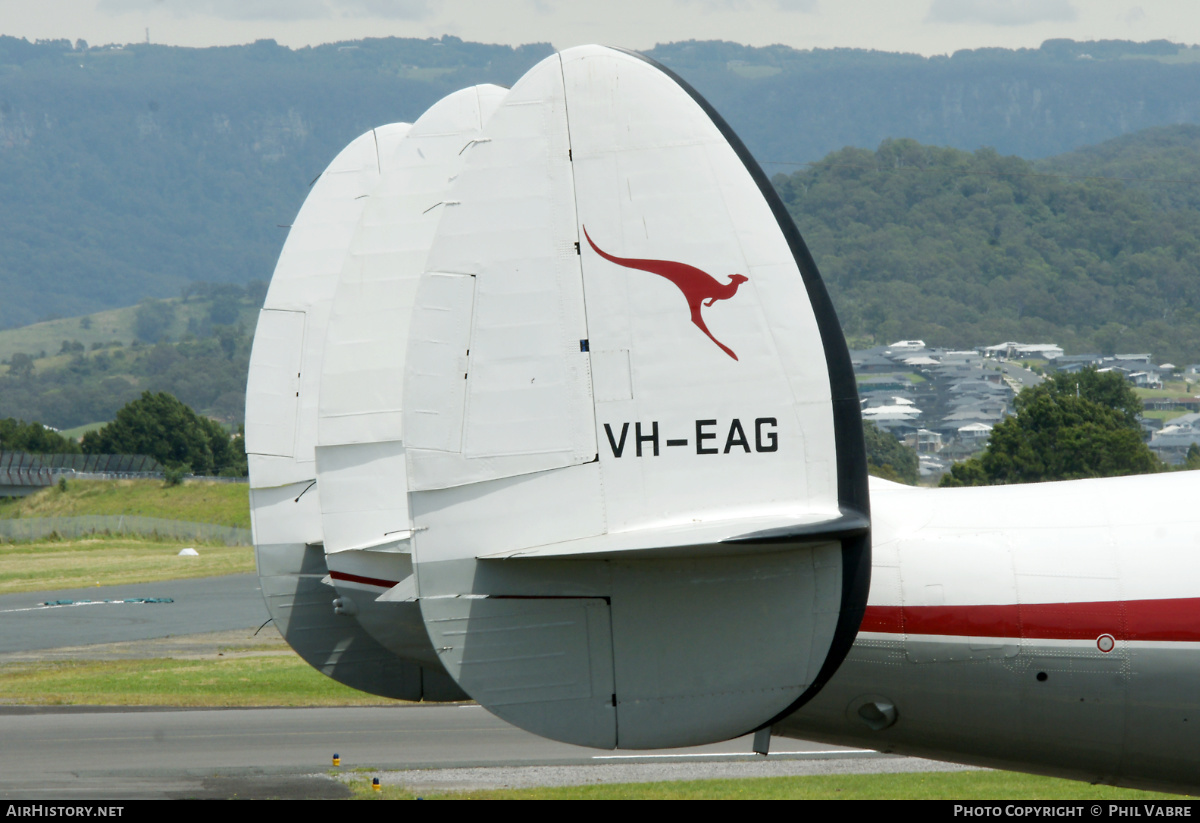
(715,516)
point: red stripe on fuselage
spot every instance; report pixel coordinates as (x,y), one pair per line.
(367,581)
(1177,620)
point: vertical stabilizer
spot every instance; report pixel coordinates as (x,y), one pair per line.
(633,420)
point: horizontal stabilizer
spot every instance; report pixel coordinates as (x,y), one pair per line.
(395,542)
(848,524)
(737,536)
(403,592)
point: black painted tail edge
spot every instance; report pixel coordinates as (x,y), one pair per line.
(849,445)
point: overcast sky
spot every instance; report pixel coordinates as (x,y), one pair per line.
(923,26)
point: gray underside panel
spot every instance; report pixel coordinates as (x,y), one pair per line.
(337,645)
(1067,712)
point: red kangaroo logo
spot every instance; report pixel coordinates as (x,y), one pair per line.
(697,286)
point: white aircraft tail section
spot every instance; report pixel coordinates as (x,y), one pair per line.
(496,371)
(639,507)
(575,416)
(323,428)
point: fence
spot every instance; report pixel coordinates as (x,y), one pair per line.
(39,528)
(101,463)
(21,472)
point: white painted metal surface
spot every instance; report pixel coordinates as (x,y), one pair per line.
(273,410)
(362,375)
(509,224)
(305,282)
(287,509)
(656,180)
(362,453)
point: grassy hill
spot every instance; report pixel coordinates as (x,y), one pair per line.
(225,504)
(104,329)
(73,372)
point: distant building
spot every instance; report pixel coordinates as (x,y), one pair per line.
(1171,443)
(892,412)
(871,361)
(1015,351)
(931,466)
(924,441)
(1072,363)
(1191,404)
(1135,371)
(974,434)
(884,383)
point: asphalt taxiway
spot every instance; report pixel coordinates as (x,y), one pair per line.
(63,753)
(202,604)
(77,753)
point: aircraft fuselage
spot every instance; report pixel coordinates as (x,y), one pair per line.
(1052,628)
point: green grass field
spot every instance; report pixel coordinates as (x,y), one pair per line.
(79,431)
(111,561)
(225,504)
(1171,388)
(1164,416)
(920,786)
(106,560)
(278,678)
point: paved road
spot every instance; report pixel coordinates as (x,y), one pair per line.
(203,604)
(1020,377)
(87,753)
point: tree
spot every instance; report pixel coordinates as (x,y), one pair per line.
(1107,388)
(224,310)
(17,435)
(153,320)
(1070,427)
(21,365)
(887,457)
(1192,461)
(160,426)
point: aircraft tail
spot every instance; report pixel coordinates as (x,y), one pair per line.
(623,534)
(581,423)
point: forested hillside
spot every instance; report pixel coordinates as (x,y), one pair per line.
(961,249)
(127,173)
(197,350)
(790,105)
(1162,163)
(1097,250)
